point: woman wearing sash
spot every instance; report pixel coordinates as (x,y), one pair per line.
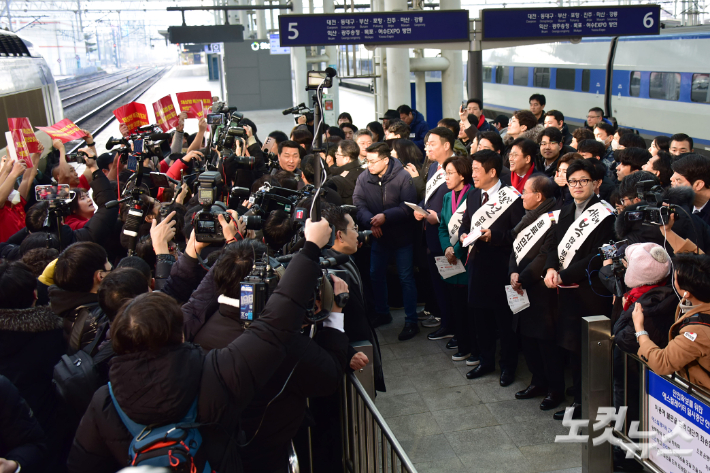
(458,181)
(584,226)
(536,325)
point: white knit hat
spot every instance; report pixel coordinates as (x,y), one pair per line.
(648,264)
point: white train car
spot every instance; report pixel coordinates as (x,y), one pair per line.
(27,86)
(659,84)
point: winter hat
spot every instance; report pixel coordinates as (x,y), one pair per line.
(648,264)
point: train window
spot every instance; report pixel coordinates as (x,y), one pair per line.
(520,76)
(541,77)
(487,74)
(565,79)
(586,79)
(699,91)
(664,86)
(502,74)
(635,84)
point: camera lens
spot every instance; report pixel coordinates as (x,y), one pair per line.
(244,162)
(253,222)
(364,236)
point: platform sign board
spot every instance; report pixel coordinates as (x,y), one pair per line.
(275,45)
(506,24)
(378,28)
(668,407)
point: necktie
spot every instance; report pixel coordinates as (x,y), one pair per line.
(485,198)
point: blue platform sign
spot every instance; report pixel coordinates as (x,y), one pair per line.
(378,28)
(505,24)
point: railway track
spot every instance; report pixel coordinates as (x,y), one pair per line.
(79,97)
(100,117)
(67,84)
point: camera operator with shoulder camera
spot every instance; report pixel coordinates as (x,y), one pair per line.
(156,377)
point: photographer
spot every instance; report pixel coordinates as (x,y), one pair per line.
(693,171)
(153,364)
(347,169)
(689,337)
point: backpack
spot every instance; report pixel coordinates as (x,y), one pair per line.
(172,446)
(77,377)
(81,315)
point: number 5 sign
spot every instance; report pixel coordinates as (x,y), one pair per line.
(292,31)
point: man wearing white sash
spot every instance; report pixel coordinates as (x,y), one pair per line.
(536,325)
(491,213)
(439,146)
(584,225)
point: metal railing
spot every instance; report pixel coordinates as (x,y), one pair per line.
(597,391)
(368,443)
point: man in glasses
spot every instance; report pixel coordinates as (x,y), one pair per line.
(594,116)
(380,196)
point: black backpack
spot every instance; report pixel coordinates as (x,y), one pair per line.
(76,377)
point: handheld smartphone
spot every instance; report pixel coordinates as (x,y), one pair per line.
(267,146)
(159,179)
(78,157)
(132,163)
(464,104)
(49,192)
(137,146)
(613,250)
(214,118)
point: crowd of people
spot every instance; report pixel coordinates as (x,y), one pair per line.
(116,333)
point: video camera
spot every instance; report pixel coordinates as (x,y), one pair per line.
(205,222)
(615,252)
(227,126)
(300,110)
(269,198)
(146,141)
(654,212)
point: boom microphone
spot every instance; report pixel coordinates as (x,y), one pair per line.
(330,72)
(295,109)
(159,136)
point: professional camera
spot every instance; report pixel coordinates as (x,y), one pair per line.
(615,252)
(146,143)
(228,129)
(364,237)
(654,212)
(269,198)
(79,157)
(205,222)
(300,110)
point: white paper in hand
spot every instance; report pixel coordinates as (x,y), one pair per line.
(416,208)
(473,236)
(446,269)
(516,301)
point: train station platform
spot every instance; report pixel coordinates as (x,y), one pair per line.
(449,424)
(194,78)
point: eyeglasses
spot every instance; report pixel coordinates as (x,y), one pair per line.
(551,143)
(515,155)
(594,116)
(339,155)
(451,174)
(370,163)
(576,183)
(355,227)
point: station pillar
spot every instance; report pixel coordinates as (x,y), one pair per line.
(298,65)
(261,32)
(420,85)
(475,75)
(452,76)
(398,88)
(332,53)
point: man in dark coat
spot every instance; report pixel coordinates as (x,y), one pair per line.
(346,171)
(22,441)
(440,147)
(487,267)
(156,379)
(418,127)
(568,271)
(380,196)
(536,324)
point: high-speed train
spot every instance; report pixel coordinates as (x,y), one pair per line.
(659,84)
(27,87)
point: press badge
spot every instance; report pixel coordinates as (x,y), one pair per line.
(690,336)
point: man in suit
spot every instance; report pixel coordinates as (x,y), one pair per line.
(693,170)
(439,146)
(487,267)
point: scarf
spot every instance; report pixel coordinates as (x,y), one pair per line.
(532,215)
(455,202)
(519,182)
(481,121)
(634,294)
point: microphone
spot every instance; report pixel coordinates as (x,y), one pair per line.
(294,109)
(331,261)
(330,72)
(113,142)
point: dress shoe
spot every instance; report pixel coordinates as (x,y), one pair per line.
(473,360)
(507,377)
(452,344)
(531,392)
(440,334)
(479,371)
(559,415)
(551,401)
(459,356)
(381,319)
(409,331)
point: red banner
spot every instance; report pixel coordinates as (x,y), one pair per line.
(165,113)
(23,124)
(189,101)
(134,115)
(17,147)
(64,130)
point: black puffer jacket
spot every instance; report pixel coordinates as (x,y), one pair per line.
(65,303)
(659,305)
(159,387)
(692,228)
(343,180)
(21,438)
(31,343)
